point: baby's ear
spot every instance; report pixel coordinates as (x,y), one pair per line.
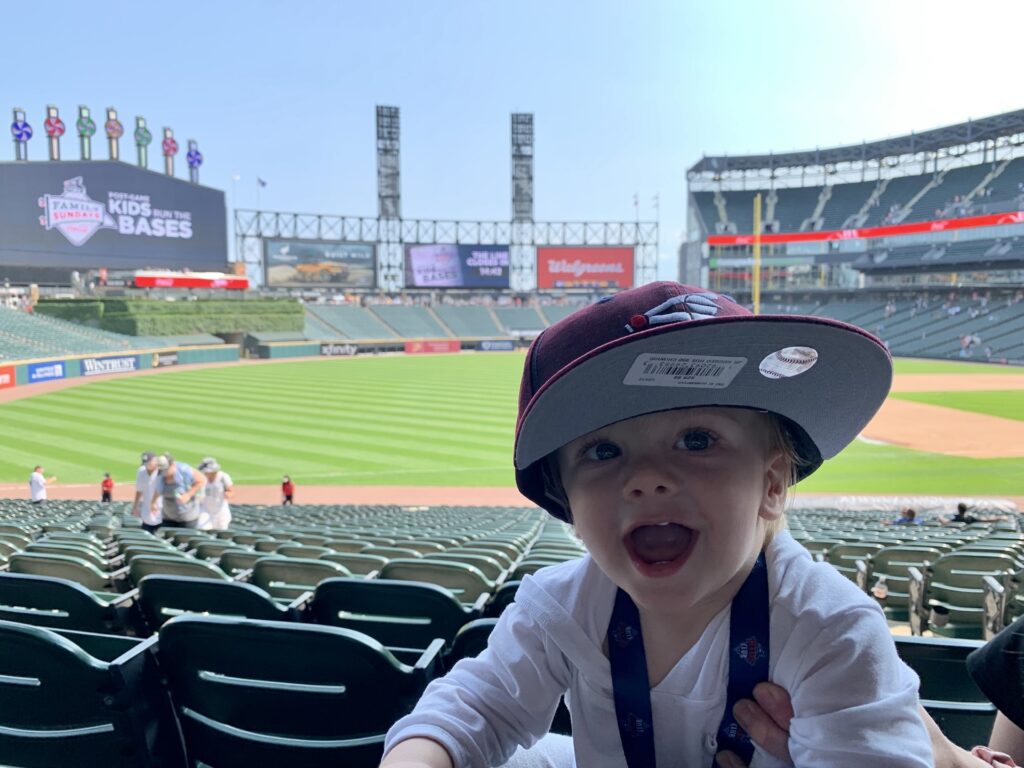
(776,482)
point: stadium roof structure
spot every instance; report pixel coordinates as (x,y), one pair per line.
(972,132)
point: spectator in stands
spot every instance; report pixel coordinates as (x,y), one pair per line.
(181,488)
(964,515)
(287,490)
(680,504)
(37,485)
(908,516)
(106,488)
(215,510)
(143,506)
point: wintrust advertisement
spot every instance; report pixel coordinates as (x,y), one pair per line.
(91,215)
(584,267)
(100,366)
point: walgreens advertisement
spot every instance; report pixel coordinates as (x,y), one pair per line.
(584,267)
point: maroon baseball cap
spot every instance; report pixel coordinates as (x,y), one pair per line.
(665,345)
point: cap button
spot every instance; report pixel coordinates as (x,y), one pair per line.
(638,322)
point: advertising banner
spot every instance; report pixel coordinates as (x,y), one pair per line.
(91,215)
(7,376)
(432,347)
(38,372)
(319,264)
(584,267)
(164,359)
(190,280)
(99,366)
(500,345)
(328,349)
(456,266)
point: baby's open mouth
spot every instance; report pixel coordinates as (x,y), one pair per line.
(661,543)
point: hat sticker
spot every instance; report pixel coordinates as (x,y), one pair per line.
(788,362)
(688,371)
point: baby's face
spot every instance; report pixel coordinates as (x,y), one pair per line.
(672,505)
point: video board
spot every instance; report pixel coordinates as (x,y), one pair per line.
(319,264)
(456,266)
(81,215)
(584,267)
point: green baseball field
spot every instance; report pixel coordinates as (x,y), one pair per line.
(441,421)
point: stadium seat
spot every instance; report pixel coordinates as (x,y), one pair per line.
(212,550)
(291,577)
(47,601)
(65,567)
(941,664)
(490,567)
(953,588)
(843,557)
(405,616)
(357,563)
(147,565)
(327,701)
(470,640)
(238,560)
(501,599)
(892,565)
(77,699)
(163,597)
(294,549)
(467,582)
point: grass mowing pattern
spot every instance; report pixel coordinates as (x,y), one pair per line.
(909,365)
(365,421)
(1007,404)
(446,420)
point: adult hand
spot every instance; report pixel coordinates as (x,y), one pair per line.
(766,719)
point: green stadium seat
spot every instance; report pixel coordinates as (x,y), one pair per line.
(328,701)
(357,563)
(148,565)
(161,598)
(467,582)
(65,567)
(405,616)
(47,601)
(239,560)
(952,589)
(291,577)
(75,699)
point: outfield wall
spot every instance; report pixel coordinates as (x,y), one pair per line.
(275,350)
(27,372)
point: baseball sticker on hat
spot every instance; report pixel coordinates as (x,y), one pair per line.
(791,361)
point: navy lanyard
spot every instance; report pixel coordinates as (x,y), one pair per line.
(748,666)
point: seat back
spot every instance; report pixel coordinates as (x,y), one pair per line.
(233,561)
(941,663)
(465,581)
(399,614)
(162,597)
(47,601)
(147,565)
(61,566)
(356,562)
(242,701)
(61,706)
(289,577)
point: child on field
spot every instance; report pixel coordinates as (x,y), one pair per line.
(665,424)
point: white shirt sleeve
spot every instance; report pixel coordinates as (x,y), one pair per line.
(855,701)
(141,480)
(487,706)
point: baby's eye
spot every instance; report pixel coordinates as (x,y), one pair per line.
(696,440)
(601,451)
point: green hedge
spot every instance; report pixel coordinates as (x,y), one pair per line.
(141,317)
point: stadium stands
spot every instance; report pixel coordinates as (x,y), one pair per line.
(411,322)
(278,596)
(351,322)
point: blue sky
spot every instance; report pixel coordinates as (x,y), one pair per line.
(626,95)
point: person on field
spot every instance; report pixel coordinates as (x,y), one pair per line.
(145,493)
(37,483)
(287,491)
(666,423)
(215,511)
(181,488)
(106,488)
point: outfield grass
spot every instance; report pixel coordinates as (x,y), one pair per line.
(446,420)
(908,365)
(1008,404)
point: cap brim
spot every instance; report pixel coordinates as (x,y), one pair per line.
(832,400)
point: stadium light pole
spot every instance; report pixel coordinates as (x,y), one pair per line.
(756,273)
